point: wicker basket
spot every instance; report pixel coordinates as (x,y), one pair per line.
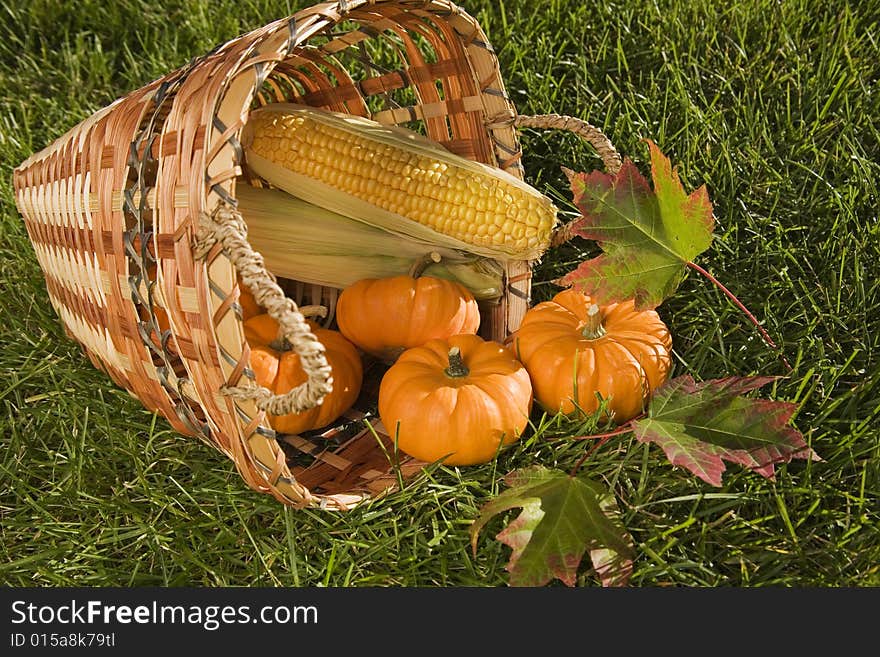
(115,208)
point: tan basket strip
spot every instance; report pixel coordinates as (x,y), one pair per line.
(224,307)
(205,86)
(322,92)
(349,39)
(258,423)
(77,293)
(105,181)
(59,277)
(280,464)
(167,386)
(341,95)
(374,25)
(87,312)
(422,76)
(425,88)
(35,202)
(364,458)
(97,341)
(394,80)
(175,220)
(372,70)
(272,82)
(80,272)
(79,290)
(83,239)
(466,122)
(242,365)
(434,111)
(44,229)
(382,84)
(70,203)
(185,407)
(499,110)
(94,336)
(297,81)
(81,207)
(327,97)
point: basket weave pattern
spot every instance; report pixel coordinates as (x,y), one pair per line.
(132,215)
(113,209)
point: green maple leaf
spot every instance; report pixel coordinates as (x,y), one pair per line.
(562,517)
(701,425)
(648,237)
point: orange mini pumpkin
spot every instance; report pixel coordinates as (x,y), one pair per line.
(385,316)
(573,349)
(249,306)
(458,399)
(278,368)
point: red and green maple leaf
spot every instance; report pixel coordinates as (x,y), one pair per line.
(648,237)
(701,425)
(563,517)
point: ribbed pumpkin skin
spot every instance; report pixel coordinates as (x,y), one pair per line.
(465,419)
(624,366)
(385,316)
(281,372)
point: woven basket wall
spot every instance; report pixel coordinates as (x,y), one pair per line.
(113,208)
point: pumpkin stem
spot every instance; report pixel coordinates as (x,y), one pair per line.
(280,344)
(594,329)
(420,265)
(457,368)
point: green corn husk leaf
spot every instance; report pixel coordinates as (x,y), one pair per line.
(308,243)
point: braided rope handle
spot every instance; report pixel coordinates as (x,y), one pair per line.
(591,134)
(228,227)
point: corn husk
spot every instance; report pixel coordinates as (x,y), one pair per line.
(308,243)
(327,196)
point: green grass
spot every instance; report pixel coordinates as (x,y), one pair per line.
(775,106)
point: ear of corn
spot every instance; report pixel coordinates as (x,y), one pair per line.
(398,180)
(308,243)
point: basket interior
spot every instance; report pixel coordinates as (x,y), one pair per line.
(408,68)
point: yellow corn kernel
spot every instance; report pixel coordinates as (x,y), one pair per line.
(418,180)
